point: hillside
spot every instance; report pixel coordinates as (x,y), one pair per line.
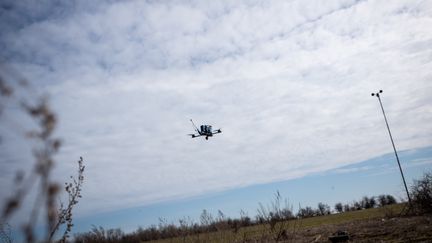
(369,225)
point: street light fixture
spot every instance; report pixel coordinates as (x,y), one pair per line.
(391,138)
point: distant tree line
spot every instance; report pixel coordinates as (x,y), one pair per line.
(164,230)
(365,203)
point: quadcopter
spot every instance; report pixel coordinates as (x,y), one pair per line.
(205,130)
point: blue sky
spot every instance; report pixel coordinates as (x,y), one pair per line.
(288,82)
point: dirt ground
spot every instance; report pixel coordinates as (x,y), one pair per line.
(400,229)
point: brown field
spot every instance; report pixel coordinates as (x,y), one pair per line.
(370,225)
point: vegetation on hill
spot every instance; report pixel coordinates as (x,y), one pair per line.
(277,222)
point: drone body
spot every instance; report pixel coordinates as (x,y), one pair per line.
(205,131)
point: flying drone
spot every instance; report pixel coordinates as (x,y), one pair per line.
(205,130)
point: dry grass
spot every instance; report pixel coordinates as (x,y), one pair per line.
(363,225)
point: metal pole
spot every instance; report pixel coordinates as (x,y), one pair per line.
(394,147)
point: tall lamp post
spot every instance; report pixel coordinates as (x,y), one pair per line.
(391,138)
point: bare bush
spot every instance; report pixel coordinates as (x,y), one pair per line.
(221,222)
(346,207)
(206,218)
(99,235)
(46,146)
(338,207)
(65,212)
(368,202)
(245,220)
(384,200)
(307,212)
(185,224)
(357,205)
(277,216)
(323,209)
(421,192)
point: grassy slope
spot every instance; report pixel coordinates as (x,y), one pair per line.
(258,231)
(354,215)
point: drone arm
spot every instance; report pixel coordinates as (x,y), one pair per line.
(193,124)
(217,131)
(194,135)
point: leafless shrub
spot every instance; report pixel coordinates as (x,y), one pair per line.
(46,147)
(245,220)
(221,222)
(150,233)
(206,218)
(384,200)
(307,212)
(323,209)
(39,179)
(99,235)
(357,205)
(346,208)
(167,230)
(73,189)
(339,207)
(185,224)
(421,192)
(368,202)
(277,217)
(237,224)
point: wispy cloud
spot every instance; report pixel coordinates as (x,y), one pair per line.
(419,162)
(353,169)
(287,81)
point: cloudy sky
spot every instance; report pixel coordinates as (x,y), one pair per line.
(288,82)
